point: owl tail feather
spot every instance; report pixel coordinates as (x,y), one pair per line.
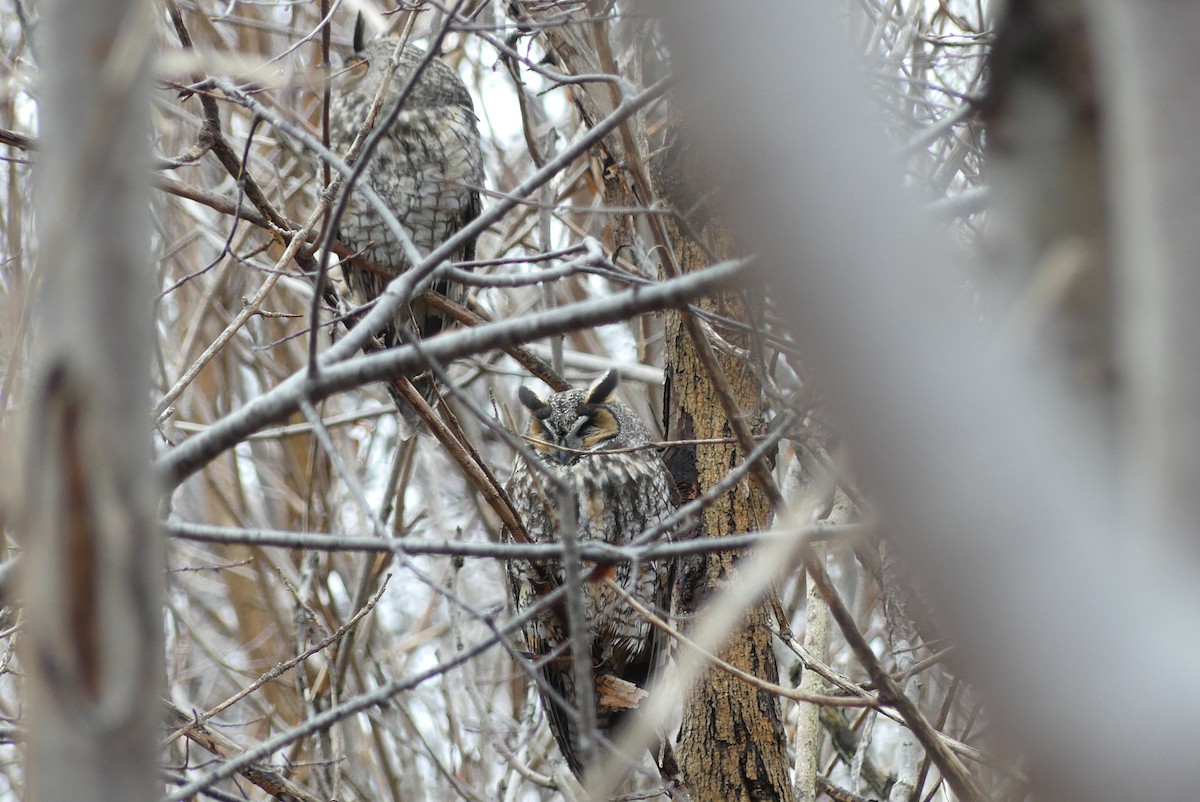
(615,699)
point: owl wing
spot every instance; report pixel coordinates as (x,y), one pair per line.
(545,639)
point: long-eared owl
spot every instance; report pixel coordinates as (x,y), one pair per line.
(596,448)
(427,167)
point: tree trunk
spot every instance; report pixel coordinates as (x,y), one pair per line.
(731,744)
(92,568)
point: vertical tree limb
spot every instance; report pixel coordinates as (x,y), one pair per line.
(91,581)
(731,744)
(808,727)
(799,483)
(1152,105)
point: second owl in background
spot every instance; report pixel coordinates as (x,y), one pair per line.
(427,167)
(595,448)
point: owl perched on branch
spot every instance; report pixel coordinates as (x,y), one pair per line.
(427,167)
(587,442)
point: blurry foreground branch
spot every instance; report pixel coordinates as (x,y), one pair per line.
(977,462)
(92,569)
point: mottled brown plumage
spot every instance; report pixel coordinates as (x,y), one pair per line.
(618,495)
(427,167)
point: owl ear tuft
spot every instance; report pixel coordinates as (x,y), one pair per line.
(602,388)
(532,401)
(360,33)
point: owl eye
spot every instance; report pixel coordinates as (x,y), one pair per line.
(541,434)
(583,426)
(600,425)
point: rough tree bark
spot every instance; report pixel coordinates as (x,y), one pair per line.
(731,743)
(722,712)
(92,570)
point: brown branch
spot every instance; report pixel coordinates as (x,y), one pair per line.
(839,794)
(282,668)
(537,367)
(473,468)
(283,400)
(216,201)
(729,668)
(212,139)
(17,140)
(845,743)
(889,690)
(266,778)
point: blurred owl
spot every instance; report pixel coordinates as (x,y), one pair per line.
(427,167)
(581,438)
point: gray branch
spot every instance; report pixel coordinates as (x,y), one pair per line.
(283,400)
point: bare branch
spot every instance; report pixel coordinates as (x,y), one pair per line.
(285,398)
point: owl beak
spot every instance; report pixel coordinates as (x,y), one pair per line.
(572,441)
